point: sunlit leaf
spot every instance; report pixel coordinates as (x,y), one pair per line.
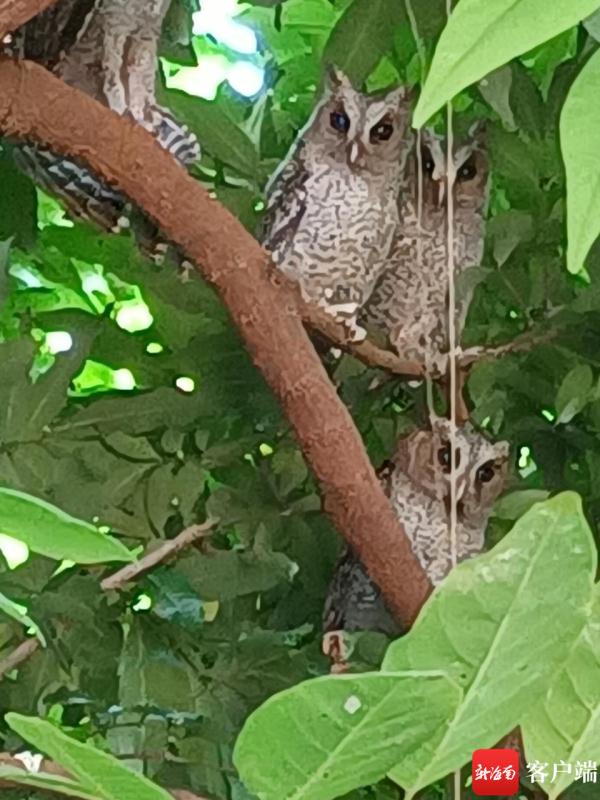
(98,772)
(501,625)
(565,724)
(482,35)
(51,532)
(46,782)
(580,143)
(16,612)
(333,734)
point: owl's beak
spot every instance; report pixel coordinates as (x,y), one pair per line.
(354,152)
(440,194)
(448,505)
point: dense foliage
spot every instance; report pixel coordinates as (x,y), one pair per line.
(154,417)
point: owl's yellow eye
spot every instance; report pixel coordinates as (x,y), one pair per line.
(382,132)
(340,121)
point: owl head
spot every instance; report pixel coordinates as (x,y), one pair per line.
(365,132)
(481,467)
(468,179)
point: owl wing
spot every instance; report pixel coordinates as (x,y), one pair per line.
(354,602)
(285,207)
(53,32)
(46,39)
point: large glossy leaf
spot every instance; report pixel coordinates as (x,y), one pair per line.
(565,724)
(51,532)
(98,772)
(362,36)
(501,625)
(481,35)
(580,142)
(330,735)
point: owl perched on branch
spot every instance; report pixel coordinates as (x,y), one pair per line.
(332,211)
(107,49)
(417,481)
(410,301)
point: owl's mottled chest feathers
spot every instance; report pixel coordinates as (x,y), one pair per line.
(427,524)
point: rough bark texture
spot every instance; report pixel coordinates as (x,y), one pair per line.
(37,106)
(14,13)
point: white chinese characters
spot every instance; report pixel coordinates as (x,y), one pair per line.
(541,771)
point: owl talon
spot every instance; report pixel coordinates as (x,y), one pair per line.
(336,649)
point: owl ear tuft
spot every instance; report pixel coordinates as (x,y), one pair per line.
(337,78)
(478,131)
(502,450)
(398,96)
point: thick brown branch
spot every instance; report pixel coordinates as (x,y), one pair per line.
(37,106)
(168,550)
(14,13)
(50,768)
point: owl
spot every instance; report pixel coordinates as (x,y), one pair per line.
(410,301)
(331,206)
(107,49)
(417,481)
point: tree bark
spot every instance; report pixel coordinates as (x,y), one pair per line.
(35,105)
(14,13)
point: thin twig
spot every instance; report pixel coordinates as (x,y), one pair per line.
(522,344)
(20,654)
(168,550)
(117,582)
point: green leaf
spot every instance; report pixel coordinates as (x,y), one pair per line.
(514,505)
(16,612)
(327,736)
(46,782)
(26,408)
(175,600)
(574,393)
(51,532)
(565,724)
(500,626)
(592,25)
(18,202)
(98,772)
(580,141)
(362,36)
(482,35)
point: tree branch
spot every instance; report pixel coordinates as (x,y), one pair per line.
(168,550)
(14,13)
(20,654)
(118,580)
(37,106)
